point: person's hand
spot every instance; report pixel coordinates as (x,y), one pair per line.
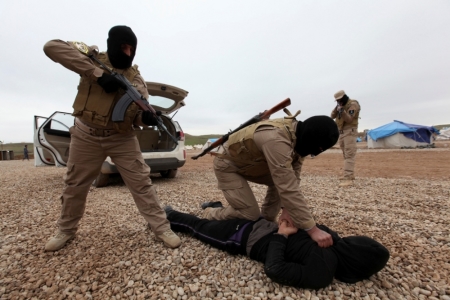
(149,119)
(285,216)
(110,84)
(322,238)
(267,117)
(285,228)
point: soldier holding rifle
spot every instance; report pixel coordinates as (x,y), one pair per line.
(96,136)
(346,115)
(270,152)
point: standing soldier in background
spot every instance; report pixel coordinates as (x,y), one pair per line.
(346,114)
(95,136)
(25,153)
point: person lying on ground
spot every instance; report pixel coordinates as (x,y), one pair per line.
(289,255)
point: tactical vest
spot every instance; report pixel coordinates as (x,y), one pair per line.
(243,150)
(93,105)
(340,121)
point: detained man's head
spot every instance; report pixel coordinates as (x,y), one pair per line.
(315,135)
(359,257)
(122,44)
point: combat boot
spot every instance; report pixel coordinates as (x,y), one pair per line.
(169,238)
(58,241)
(345,183)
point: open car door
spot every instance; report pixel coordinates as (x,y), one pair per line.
(52,139)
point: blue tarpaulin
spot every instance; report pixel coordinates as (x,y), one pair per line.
(419,133)
(422,133)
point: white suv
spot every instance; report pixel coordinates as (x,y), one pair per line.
(160,152)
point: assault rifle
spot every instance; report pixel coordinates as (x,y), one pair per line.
(259,117)
(132,95)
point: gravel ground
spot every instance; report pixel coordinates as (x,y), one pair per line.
(115,256)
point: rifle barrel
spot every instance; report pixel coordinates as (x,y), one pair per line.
(261,116)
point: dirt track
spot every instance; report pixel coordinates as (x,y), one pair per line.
(433,163)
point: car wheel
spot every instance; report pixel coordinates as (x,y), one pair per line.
(169,173)
(101,180)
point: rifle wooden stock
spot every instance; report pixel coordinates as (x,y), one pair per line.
(259,117)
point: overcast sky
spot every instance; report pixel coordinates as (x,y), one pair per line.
(238,58)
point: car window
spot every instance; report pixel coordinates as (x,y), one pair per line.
(61,121)
(162,102)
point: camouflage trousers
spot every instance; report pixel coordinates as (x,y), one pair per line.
(347,142)
(86,156)
(240,197)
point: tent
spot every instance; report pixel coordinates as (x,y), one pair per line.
(444,134)
(398,134)
(209,142)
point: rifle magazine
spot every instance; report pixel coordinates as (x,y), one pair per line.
(119,110)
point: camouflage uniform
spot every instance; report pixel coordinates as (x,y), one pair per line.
(346,117)
(95,136)
(262,153)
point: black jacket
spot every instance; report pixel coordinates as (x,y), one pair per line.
(299,261)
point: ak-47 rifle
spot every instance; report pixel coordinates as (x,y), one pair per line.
(339,110)
(259,117)
(132,95)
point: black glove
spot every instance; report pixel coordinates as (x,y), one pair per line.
(149,119)
(110,83)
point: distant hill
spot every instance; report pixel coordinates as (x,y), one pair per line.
(191,140)
(18,149)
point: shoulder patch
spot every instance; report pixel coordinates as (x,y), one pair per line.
(82,47)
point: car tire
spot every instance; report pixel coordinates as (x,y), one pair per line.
(169,173)
(101,180)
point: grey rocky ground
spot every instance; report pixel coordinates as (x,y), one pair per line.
(115,256)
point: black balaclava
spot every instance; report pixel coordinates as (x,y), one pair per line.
(315,135)
(342,101)
(117,36)
(359,257)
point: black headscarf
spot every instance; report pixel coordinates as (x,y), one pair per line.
(117,36)
(343,101)
(315,135)
(359,257)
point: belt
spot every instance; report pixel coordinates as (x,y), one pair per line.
(94,131)
(342,131)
